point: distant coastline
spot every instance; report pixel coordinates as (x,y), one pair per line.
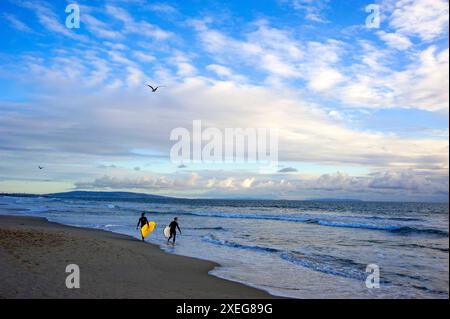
(134,196)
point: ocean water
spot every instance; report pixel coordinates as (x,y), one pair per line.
(288,248)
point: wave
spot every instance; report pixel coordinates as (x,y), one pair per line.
(111,225)
(323,263)
(328,264)
(205,228)
(441,249)
(396,229)
(37,210)
(391,228)
(238,216)
(213,240)
(409,230)
(401,219)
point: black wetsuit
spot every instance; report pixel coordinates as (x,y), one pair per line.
(142,221)
(173,230)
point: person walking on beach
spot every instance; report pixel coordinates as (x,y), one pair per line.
(173,230)
(142,221)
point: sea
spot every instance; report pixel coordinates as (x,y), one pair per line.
(298,249)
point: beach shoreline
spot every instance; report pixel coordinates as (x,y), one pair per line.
(34,254)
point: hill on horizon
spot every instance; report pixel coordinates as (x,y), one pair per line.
(97,194)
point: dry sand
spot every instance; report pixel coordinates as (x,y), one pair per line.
(34,254)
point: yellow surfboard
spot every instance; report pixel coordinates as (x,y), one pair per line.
(148,228)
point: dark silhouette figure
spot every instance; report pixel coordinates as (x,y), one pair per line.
(142,221)
(40,167)
(155,88)
(173,230)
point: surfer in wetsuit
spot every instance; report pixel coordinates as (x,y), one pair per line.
(142,221)
(173,229)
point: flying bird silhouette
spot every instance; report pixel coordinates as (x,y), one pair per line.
(40,167)
(155,88)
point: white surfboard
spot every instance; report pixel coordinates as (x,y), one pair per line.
(167,232)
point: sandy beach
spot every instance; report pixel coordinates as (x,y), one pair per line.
(34,254)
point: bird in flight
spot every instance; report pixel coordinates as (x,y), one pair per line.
(154,88)
(40,167)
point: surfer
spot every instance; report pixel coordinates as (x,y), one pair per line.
(173,229)
(142,221)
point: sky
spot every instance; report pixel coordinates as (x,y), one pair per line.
(361,108)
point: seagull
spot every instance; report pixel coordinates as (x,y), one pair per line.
(154,88)
(40,167)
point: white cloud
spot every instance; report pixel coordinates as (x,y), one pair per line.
(227,183)
(225,73)
(395,40)
(220,70)
(313,9)
(335,115)
(422,84)
(370,80)
(265,53)
(115,45)
(336,181)
(135,77)
(307,133)
(107,182)
(406,185)
(276,53)
(184,66)
(422,18)
(163,8)
(16,23)
(120,58)
(398,180)
(144,57)
(325,78)
(247,183)
(142,28)
(100,28)
(48,19)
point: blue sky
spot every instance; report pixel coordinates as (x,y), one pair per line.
(361,112)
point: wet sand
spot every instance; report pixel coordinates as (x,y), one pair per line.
(34,254)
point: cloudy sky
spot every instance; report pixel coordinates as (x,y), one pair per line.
(361,112)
